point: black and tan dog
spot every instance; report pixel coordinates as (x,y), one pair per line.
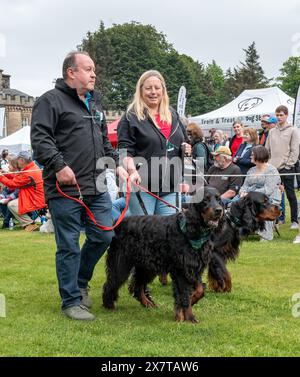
(150,245)
(244,217)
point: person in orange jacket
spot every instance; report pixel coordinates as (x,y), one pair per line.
(29,181)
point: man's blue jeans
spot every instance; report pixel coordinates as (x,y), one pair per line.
(75,267)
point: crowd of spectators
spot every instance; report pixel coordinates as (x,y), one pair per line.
(249,161)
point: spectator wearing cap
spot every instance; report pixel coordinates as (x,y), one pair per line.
(237,139)
(264,125)
(268,123)
(242,157)
(29,181)
(272,122)
(283,146)
(219,175)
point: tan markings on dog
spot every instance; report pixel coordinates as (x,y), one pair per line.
(225,287)
(189,316)
(179,316)
(269,214)
(210,214)
(197,294)
(145,301)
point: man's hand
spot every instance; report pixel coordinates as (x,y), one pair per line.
(66,176)
(122,173)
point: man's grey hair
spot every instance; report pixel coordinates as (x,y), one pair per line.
(70,61)
(26,156)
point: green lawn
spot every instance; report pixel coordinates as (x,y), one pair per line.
(255,319)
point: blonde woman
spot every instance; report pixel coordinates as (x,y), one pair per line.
(151,131)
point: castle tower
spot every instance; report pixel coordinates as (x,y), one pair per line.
(18,105)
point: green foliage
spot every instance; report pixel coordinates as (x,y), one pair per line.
(214,87)
(255,319)
(249,76)
(123,52)
(289,80)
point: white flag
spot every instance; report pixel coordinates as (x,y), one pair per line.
(296,120)
(181,101)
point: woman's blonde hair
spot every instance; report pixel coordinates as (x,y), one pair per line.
(138,105)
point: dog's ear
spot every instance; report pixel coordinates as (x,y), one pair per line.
(249,221)
(244,210)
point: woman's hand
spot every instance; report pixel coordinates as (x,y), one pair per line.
(122,173)
(135,177)
(187,149)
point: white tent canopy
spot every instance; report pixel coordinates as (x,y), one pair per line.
(17,142)
(2,114)
(248,107)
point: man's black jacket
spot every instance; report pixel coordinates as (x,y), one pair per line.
(64,132)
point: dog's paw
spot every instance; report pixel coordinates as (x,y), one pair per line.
(109,306)
(179,316)
(148,303)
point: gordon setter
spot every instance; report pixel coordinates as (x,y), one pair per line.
(147,246)
(244,217)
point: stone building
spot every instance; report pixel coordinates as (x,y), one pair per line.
(18,106)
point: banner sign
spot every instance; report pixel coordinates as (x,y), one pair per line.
(296,120)
(181,101)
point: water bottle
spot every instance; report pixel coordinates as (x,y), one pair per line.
(11,224)
(43,219)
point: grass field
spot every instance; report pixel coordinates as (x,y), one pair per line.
(255,319)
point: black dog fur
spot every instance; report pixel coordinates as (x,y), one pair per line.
(244,217)
(151,245)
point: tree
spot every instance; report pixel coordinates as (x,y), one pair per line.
(213,87)
(99,46)
(249,76)
(123,52)
(289,80)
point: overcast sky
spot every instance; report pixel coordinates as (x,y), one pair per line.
(35,35)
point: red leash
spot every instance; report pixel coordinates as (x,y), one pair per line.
(156,197)
(128,191)
(89,212)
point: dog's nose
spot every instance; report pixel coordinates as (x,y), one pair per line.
(218,211)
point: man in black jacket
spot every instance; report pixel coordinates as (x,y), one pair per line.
(69,138)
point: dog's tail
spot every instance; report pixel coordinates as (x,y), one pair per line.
(117,273)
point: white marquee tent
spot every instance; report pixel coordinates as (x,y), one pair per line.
(17,142)
(248,107)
